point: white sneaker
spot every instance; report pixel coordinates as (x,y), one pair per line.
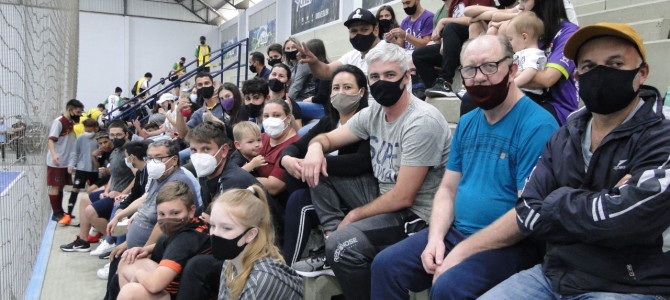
(103,273)
(103,248)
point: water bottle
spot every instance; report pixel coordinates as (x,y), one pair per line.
(667,97)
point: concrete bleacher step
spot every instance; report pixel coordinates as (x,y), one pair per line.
(652,30)
(450,107)
(628,14)
(659,64)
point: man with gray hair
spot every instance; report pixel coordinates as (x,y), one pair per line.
(409,144)
(494,150)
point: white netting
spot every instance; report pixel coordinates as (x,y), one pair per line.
(38,72)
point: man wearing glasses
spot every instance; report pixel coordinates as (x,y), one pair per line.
(493,151)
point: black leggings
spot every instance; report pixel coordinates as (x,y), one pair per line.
(428,57)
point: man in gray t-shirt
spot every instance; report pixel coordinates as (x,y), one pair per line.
(409,144)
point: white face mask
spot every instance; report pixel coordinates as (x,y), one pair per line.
(205,163)
(155,170)
(193,97)
(128,163)
(274,127)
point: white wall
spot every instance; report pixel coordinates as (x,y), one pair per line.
(116,51)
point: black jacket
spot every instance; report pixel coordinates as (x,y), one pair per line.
(352,160)
(601,237)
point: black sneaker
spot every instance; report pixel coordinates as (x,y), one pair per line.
(313,266)
(439,90)
(57,216)
(78,245)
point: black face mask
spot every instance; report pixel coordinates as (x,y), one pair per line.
(252,68)
(410,10)
(362,43)
(75,119)
(118,142)
(276,85)
(384,26)
(506,3)
(274,61)
(202,42)
(387,93)
(291,55)
(607,90)
(223,249)
(206,92)
(254,109)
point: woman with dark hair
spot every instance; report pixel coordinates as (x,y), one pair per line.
(560,97)
(232,102)
(387,21)
(280,75)
(313,107)
(349,94)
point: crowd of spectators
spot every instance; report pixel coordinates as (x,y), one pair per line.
(222,191)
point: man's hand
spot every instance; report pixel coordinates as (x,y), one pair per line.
(313,165)
(305,55)
(113,194)
(398,33)
(292,165)
(69,170)
(97,152)
(112,224)
(437,31)
(351,217)
(455,256)
(120,198)
(184,102)
(55,159)
(118,250)
(432,256)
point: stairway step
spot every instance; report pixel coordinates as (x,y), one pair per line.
(659,64)
(652,30)
(450,107)
(628,14)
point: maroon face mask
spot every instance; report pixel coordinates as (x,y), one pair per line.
(489,96)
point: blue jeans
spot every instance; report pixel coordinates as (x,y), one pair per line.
(398,269)
(532,284)
(311,110)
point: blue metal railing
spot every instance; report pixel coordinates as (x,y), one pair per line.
(214,56)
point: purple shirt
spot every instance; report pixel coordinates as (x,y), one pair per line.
(563,94)
(419,28)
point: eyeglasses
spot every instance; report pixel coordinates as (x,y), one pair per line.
(120,135)
(157,159)
(488,68)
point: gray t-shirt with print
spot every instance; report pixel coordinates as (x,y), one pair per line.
(419,137)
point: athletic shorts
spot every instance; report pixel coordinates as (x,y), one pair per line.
(58,177)
(103,207)
(81,177)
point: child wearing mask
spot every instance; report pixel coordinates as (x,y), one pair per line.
(185,236)
(243,236)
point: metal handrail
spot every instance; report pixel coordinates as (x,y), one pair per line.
(218,54)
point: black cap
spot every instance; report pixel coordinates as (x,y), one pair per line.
(361,14)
